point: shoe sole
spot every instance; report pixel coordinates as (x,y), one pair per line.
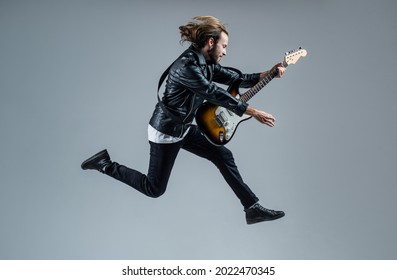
(99,154)
(250,222)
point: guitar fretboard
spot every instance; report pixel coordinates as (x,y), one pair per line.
(256,88)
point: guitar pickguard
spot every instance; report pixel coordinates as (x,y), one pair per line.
(229,121)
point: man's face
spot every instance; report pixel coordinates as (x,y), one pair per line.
(218,50)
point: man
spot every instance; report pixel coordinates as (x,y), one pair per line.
(191,81)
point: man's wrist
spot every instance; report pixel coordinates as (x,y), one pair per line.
(250,111)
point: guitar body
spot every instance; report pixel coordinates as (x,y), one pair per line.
(217,123)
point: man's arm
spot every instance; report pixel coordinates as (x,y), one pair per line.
(193,79)
(259,115)
(280,71)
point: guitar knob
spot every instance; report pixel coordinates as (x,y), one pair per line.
(221,136)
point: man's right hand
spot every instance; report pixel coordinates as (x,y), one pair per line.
(261,116)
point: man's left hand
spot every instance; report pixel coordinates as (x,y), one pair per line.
(280,69)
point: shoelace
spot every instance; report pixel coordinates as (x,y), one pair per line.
(260,207)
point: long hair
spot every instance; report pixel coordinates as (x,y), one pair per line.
(200,29)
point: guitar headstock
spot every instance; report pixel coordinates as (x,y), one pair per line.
(293,56)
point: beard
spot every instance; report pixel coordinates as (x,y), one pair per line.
(212,55)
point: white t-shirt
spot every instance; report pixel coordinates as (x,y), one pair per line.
(158,137)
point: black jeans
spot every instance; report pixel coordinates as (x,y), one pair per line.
(162,158)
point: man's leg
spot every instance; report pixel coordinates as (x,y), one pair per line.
(154,184)
(196,143)
(222,157)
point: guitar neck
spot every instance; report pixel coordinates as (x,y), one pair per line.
(256,88)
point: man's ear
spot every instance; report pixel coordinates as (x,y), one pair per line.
(211,42)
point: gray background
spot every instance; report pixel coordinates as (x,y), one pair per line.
(80,76)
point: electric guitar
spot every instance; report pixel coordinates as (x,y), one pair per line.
(219,124)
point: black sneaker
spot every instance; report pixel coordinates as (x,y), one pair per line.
(99,161)
(257,213)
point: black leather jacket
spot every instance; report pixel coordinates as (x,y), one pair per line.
(190,82)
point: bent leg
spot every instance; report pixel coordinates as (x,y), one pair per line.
(223,159)
(154,184)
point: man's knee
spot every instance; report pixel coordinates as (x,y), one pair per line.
(155,192)
(227,156)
